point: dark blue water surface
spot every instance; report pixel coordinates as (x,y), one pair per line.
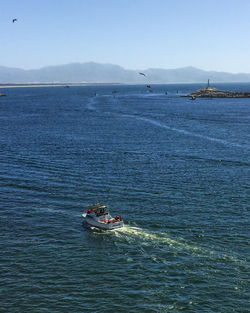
(177,171)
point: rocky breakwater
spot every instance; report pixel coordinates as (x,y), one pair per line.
(210,92)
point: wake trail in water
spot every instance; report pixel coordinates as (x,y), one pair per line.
(187,133)
(131,233)
(91,104)
(93,101)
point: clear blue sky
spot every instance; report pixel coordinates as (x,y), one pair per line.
(136,34)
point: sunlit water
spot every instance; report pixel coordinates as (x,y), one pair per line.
(176,170)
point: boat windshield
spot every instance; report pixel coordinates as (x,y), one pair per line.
(101,211)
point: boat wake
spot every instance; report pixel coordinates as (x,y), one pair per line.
(162,240)
(90,105)
(187,133)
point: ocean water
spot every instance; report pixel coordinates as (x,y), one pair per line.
(176,170)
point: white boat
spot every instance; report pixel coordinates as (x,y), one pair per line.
(99,217)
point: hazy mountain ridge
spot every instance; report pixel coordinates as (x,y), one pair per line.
(92,72)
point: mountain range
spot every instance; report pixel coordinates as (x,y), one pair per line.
(92,72)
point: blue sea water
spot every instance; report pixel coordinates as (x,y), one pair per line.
(176,170)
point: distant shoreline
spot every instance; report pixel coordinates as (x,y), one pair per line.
(56,85)
(67,85)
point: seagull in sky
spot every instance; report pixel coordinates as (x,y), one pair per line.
(142,74)
(14,20)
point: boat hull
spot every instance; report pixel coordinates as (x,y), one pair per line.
(105,226)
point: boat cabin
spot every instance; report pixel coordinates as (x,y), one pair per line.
(98,209)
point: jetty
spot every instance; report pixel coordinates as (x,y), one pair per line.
(2,95)
(210,92)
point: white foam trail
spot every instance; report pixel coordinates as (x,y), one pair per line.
(93,101)
(156,237)
(147,237)
(187,133)
(91,104)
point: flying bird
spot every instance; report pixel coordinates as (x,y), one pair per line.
(14,20)
(142,74)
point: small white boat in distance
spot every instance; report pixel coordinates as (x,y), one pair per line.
(98,216)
